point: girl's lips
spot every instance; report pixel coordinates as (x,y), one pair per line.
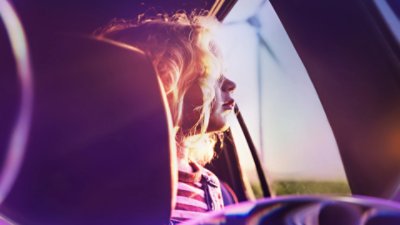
(229,105)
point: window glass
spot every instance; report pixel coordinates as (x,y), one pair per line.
(249,172)
(279,104)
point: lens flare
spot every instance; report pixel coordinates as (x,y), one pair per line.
(17,145)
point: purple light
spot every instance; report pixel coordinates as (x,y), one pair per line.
(16,147)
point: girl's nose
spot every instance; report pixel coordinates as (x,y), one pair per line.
(228,85)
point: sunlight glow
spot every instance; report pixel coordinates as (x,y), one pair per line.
(16,149)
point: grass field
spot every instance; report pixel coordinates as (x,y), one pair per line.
(286,187)
(310,187)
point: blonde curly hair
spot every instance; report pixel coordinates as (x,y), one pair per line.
(183,54)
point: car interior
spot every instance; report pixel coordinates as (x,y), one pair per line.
(75,148)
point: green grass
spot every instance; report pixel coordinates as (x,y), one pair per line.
(285,187)
(290,187)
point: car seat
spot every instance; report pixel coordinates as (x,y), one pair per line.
(99,149)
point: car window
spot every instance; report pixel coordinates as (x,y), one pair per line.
(279,104)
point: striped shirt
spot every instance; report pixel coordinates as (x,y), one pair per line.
(198,193)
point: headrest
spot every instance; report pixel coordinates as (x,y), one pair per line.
(99,146)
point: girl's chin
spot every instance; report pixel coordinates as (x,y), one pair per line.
(216,128)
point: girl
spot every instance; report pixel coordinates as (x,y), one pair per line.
(189,66)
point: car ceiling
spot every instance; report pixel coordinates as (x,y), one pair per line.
(77,15)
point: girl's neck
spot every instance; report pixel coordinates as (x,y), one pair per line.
(183,160)
(185,166)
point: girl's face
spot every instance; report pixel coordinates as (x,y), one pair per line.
(222,106)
